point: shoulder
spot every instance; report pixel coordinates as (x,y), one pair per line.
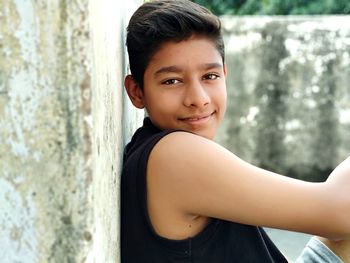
(189,157)
(185,169)
(186,147)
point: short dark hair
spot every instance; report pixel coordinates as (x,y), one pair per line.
(160,21)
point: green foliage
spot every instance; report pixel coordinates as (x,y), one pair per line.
(276,7)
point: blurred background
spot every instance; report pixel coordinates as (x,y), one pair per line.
(288,87)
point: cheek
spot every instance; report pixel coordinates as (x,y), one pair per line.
(224,98)
(222,102)
(221,96)
(160,106)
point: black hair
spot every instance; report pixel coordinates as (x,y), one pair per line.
(160,21)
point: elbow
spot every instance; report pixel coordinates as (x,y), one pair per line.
(342,218)
(335,216)
(346,218)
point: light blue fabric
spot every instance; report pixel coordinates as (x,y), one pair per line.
(317,252)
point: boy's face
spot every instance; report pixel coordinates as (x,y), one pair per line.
(184,87)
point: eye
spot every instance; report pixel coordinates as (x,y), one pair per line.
(211,76)
(170,82)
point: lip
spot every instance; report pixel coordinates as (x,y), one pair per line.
(197,119)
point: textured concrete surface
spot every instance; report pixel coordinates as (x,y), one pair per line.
(59,168)
(114,120)
(45,153)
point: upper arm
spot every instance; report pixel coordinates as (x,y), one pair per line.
(196,176)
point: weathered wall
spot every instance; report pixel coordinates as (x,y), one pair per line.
(45,153)
(61,134)
(289,93)
(114,119)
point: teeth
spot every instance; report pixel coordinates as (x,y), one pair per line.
(196,119)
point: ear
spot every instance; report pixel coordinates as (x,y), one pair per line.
(134,92)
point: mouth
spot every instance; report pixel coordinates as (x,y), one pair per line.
(194,119)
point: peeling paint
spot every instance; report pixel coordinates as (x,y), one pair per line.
(18,239)
(42,176)
(51,176)
(26,32)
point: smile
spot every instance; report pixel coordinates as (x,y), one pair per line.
(197,119)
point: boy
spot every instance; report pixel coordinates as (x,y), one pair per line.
(185,198)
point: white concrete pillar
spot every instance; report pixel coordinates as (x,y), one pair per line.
(114,119)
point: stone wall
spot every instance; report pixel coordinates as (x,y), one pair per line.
(289,94)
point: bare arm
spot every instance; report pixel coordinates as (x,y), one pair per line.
(194,176)
(340,247)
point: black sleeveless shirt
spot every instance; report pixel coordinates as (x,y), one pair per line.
(220,242)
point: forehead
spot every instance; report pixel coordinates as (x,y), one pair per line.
(190,52)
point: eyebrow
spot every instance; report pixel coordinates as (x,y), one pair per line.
(176,69)
(170,69)
(212,65)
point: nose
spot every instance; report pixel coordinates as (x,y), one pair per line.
(196,95)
